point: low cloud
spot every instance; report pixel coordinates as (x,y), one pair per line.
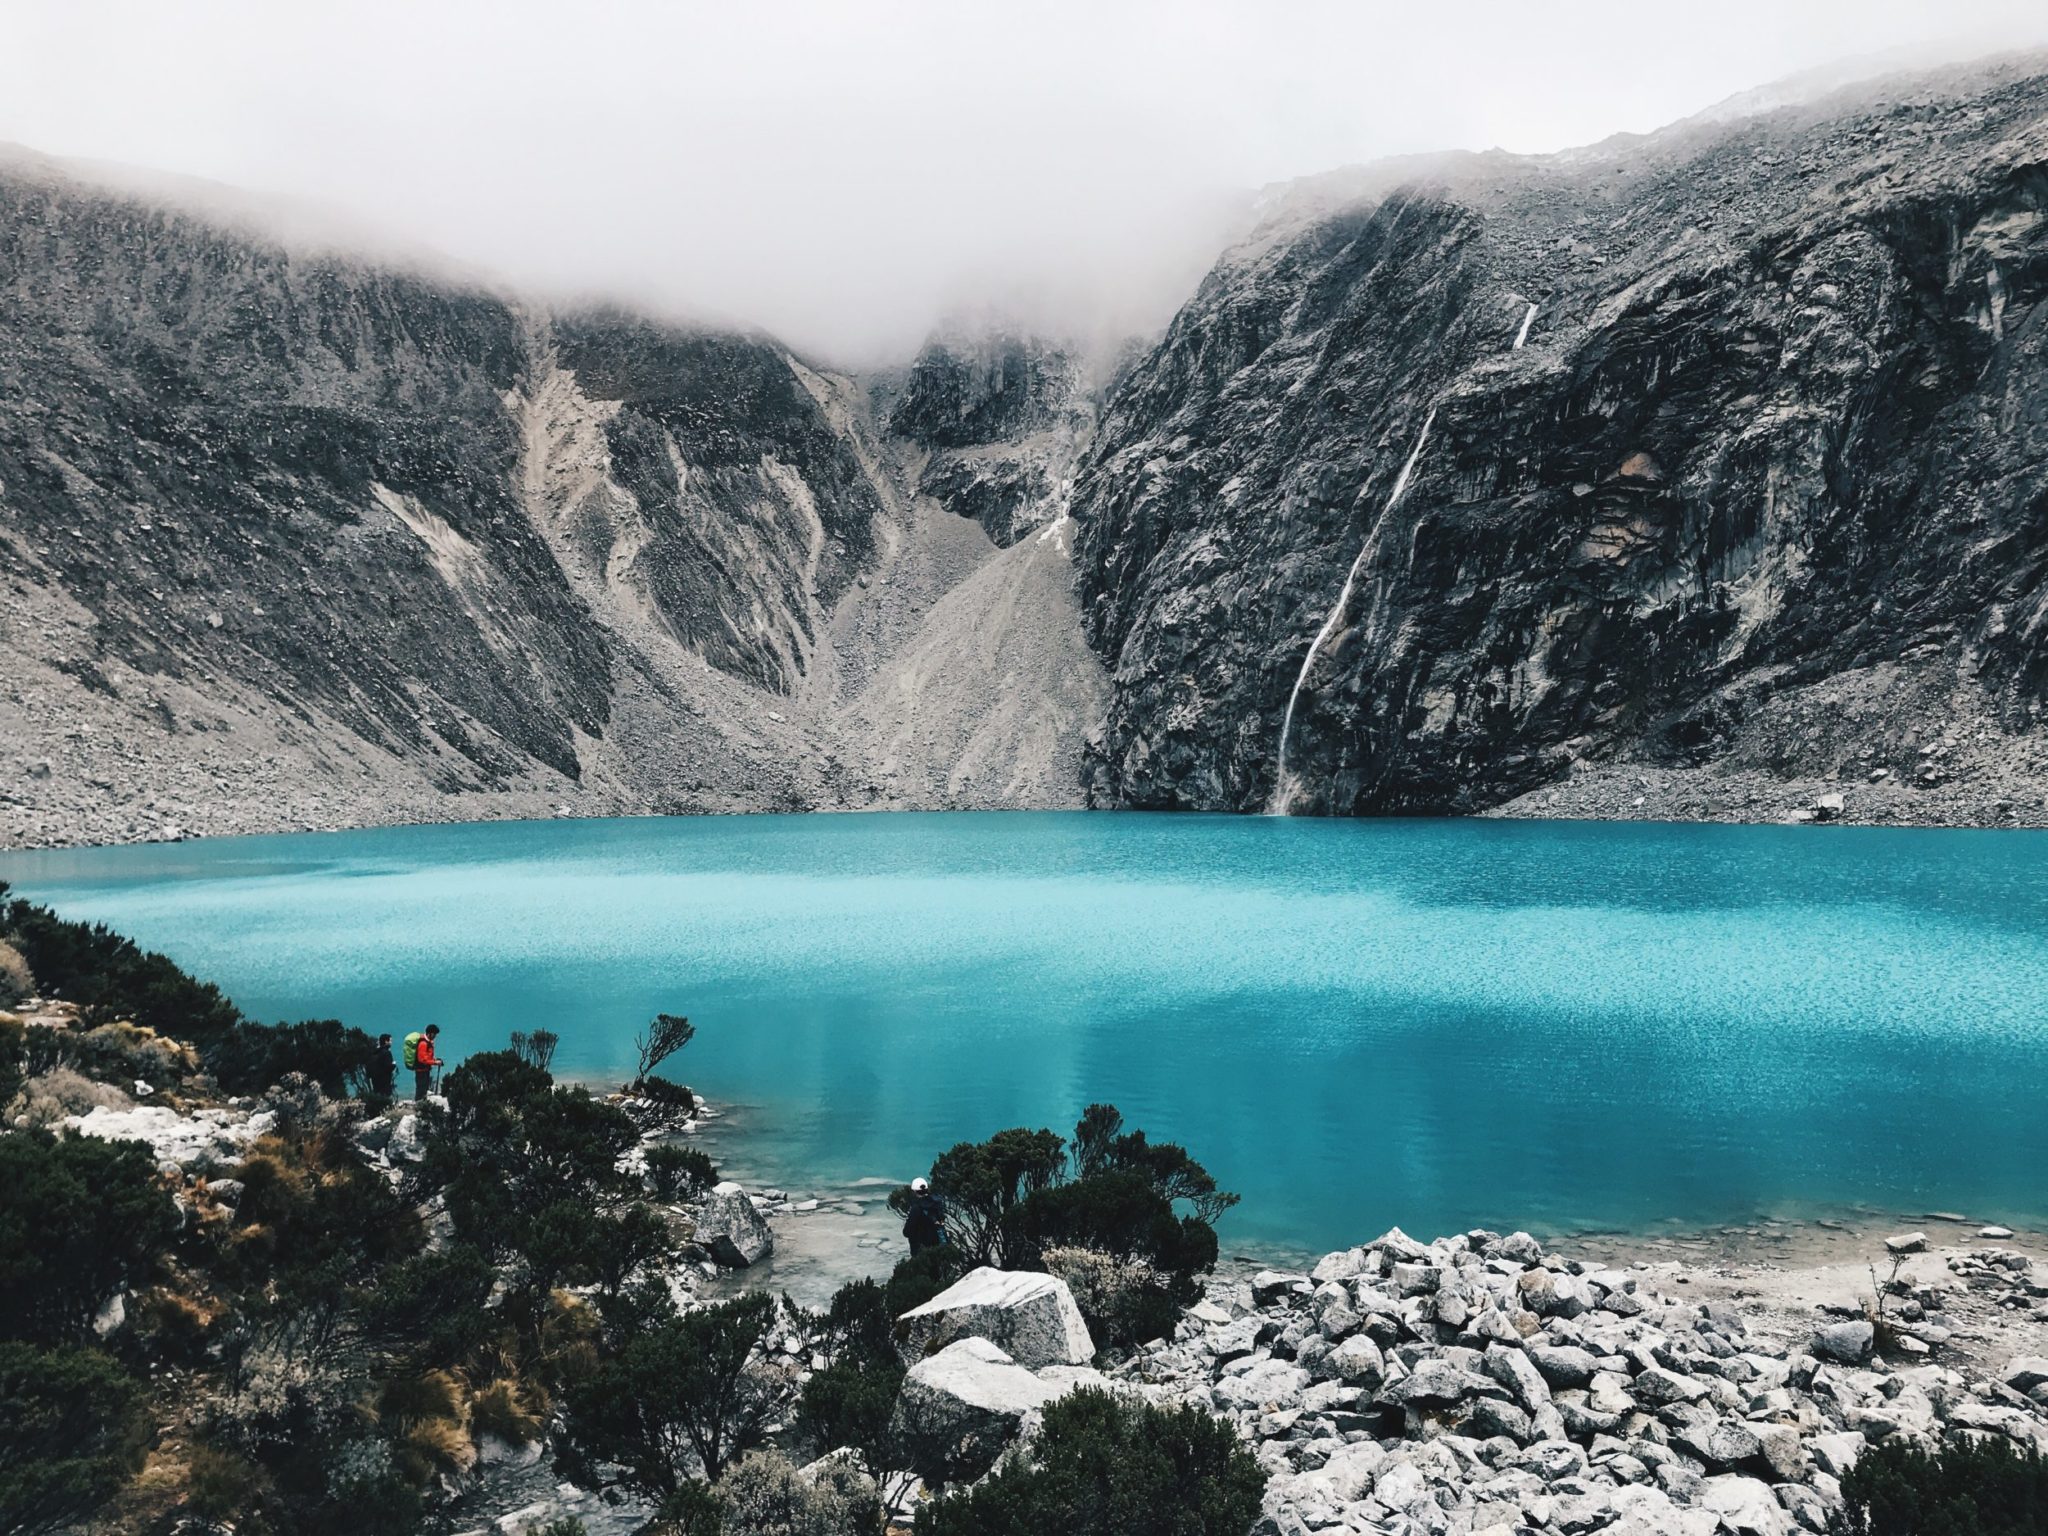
(846,174)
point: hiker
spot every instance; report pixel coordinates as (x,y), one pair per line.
(383,1070)
(419,1055)
(925,1224)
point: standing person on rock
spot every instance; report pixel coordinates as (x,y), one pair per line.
(924,1226)
(383,1070)
(420,1057)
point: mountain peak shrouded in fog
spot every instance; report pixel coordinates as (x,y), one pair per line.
(843,176)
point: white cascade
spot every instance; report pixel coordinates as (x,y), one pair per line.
(1283,786)
(1523,334)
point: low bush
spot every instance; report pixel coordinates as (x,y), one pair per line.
(17,982)
(679,1393)
(659,1090)
(765,1496)
(1123,1298)
(849,1404)
(1148,1208)
(13,1062)
(1965,1487)
(328,1052)
(82,1219)
(50,1097)
(1104,1466)
(678,1173)
(75,1432)
(111,977)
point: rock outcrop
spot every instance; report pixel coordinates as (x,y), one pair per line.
(734,1232)
(961,1408)
(1712,453)
(1031,1317)
(1001,417)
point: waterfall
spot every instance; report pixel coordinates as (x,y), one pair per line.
(1523,334)
(1283,790)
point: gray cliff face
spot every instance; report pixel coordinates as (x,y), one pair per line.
(1002,418)
(1753,506)
(290,540)
(1774,451)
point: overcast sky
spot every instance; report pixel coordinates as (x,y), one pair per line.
(843,171)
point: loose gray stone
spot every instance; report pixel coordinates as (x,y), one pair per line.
(1563,1365)
(1848,1343)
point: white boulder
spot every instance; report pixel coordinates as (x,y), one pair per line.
(1031,1317)
(961,1407)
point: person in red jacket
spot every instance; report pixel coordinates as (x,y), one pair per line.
(419,1055)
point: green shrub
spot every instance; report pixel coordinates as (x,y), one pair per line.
(334,1055)
(432,1304)
(573,1146)
(1964,1488)
(694,1509)
(13,1059)
(860,1321)
(82,1218)
(75,1433)
(849,1404)
(676,1390)
(1107,1467)
(919,1277)
(113,978)
(764,1496)
(17,982)
(222,1485)
(1149,1207)
(659,1090)
(678,1173)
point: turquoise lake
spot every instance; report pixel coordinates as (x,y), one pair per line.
(1563,1026)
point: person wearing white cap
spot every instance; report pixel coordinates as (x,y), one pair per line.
(924,1226)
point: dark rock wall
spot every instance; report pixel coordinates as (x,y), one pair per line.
(1780,414)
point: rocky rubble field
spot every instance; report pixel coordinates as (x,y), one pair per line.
(1478,1384)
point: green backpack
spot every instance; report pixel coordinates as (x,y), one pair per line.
(412,1050)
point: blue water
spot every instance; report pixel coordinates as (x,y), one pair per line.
(1564,1026)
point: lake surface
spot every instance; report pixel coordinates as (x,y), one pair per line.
(1564,1026)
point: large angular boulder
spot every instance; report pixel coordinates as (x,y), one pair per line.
(1846,1343)
(730,1227)
(960,1408)
(1746,1506)
(1032,1317)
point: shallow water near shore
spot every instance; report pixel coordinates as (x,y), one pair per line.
(1563,1026)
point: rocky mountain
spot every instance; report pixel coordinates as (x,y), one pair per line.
(1701,474)
(294,539)
(1001,419)
(1676,467)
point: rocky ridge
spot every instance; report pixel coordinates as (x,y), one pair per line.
(1690,475)
(293,540)
(1705,459)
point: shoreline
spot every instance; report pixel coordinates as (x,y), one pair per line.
(851,1234)
(1616,792)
